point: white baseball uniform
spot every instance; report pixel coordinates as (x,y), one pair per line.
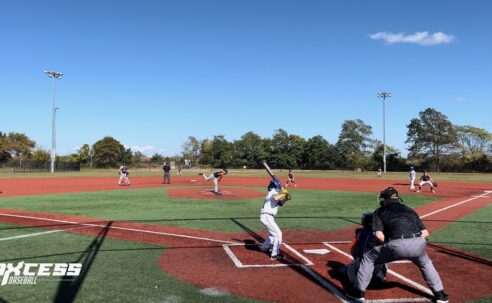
(123,175)
(267,217)
(412,177)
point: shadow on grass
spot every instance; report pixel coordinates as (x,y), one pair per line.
(461,254)
(69,288)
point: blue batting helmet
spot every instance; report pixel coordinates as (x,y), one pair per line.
(275,183)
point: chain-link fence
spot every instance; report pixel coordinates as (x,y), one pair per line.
(27,166)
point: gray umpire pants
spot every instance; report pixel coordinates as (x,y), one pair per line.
(167,177)
(412,249)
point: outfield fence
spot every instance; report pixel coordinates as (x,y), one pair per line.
(27,166)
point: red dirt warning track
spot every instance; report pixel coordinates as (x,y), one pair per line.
(200,258)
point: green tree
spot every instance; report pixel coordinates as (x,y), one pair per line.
(136,158)
(222,152)
(192,149)
(18,145)
(40,154)
(84,154)
(353,143)
(473,145)
(108,152)
(319,154)
(206,154)
(280,146)
(394,161)
(249,150)
(157,158)
(4,155)
(297,145)
(430,136)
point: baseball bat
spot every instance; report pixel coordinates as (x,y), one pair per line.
(268,169)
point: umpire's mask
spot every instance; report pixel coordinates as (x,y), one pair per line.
(388,196)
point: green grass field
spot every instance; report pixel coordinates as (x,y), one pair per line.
(309,209)
(115,271)
(123,271)
(471,233)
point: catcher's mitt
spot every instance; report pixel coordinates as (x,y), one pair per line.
(435,183)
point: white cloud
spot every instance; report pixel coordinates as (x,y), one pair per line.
(421,38)
(146,150)
(461,99)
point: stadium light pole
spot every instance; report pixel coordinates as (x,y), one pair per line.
(55,76)
(383,95)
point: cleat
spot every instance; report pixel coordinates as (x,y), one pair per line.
(200,174)
(440,297)
(278,256)
(355,294)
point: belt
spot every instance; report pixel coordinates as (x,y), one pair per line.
(416,235)
(265,213)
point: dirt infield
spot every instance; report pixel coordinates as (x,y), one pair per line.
(231,263)
(23,187)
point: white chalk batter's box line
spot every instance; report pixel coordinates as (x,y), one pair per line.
(395,274)
(239,264)
(348,242)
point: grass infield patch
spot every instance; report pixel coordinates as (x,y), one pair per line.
(471,233)
(308,210)
(113,271)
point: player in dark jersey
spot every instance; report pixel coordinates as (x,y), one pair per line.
(426,179)
(216,176)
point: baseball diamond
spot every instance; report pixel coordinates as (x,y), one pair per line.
(224,261)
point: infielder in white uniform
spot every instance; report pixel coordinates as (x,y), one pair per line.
(412,177)
(276,197)
(123,175)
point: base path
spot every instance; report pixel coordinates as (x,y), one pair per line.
(17,187)
(210,259)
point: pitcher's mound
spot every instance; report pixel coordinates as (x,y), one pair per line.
(229,193)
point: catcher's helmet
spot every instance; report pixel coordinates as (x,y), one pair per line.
(388,196)
(275,183)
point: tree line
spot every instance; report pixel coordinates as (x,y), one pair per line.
(434,143)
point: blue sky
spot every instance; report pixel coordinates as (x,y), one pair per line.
(152,73)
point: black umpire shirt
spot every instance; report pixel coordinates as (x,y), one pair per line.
(396,220)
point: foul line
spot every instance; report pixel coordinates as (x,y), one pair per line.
(456,204)
(411,282)
(39,234)
(119,228)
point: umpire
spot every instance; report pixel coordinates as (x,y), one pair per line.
(403,234)
(167,173)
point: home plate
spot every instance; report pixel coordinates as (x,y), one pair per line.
(322,251)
